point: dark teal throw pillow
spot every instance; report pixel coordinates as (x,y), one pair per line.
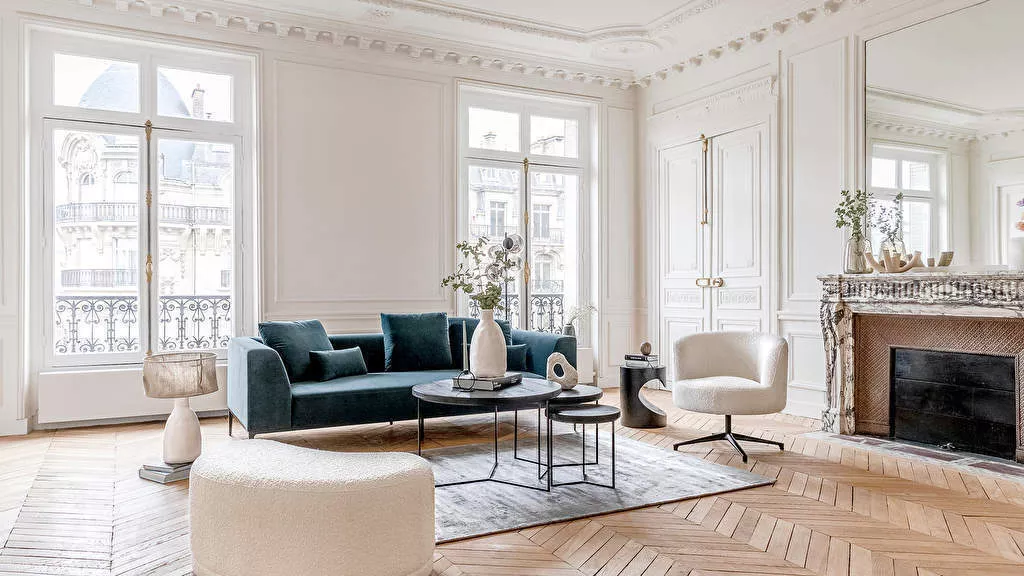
(416,342)
(455,335)
(515,355)
(294,341)
(328,365)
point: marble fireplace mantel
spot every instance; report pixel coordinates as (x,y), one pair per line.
(976,294)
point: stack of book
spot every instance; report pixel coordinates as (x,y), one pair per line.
(165,473)
(469,382)
(641,360)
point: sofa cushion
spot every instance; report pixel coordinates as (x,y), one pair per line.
(416,342)
(515,355)
(455,335)
(373,397)
(293,341)
(328,365)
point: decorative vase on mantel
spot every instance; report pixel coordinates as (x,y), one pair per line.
(487,354)
(855,261)
(894,246)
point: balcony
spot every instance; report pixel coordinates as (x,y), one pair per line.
(128,212)
(100,278)
(547,311)
(110,324)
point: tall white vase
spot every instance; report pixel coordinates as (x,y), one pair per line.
(487,356)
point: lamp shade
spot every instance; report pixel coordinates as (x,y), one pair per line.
(179,374)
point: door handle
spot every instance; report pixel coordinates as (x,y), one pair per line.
(704,282)
(717,282)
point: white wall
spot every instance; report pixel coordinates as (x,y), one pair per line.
(356,192)
(818,151)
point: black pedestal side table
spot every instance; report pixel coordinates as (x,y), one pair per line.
(637,412)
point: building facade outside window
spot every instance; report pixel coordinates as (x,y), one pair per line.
(143,196)
(523,171)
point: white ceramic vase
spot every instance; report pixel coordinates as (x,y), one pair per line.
(487,355)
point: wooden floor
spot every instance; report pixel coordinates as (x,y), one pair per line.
(71,504)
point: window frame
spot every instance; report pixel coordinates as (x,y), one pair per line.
(44,40)
(938,195)
(529,103)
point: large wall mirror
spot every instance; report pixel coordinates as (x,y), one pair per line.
(945,131)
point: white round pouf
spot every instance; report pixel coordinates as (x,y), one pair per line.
(262,508)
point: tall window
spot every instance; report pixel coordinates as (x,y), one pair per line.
(143,196)
(526,155)
(917,174)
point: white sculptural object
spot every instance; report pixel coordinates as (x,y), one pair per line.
(569,376)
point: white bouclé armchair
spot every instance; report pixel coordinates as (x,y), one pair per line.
(731,373)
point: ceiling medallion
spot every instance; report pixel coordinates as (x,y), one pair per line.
(626,49)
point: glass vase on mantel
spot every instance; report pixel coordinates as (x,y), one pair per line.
(895,246)
(855,262)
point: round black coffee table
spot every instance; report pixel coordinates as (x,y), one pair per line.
(530,393)
(578,394)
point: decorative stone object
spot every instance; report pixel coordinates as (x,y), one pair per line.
(569,376)
(646,348)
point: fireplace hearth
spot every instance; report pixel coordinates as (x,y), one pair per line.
(961,401)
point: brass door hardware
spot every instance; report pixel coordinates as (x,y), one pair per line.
(704,282)
(717,282)
(704,167)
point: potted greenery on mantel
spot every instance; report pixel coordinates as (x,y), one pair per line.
(854,212)
(482,273)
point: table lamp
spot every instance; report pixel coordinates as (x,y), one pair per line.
(178,375)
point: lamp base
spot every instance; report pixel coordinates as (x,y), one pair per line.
(183,439)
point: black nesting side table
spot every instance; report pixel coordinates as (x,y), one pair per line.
(637,412)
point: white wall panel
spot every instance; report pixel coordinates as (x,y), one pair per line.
(359,220)
(817,115)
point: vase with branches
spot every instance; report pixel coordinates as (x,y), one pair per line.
(854,213)
(577,314)
(890,224)
(482,273)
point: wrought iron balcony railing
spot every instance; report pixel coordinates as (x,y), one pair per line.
(128,212)
(99,278)
(110,324)
(547,311)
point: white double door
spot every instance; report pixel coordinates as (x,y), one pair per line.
(713,236)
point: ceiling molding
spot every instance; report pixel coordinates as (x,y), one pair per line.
(911,127)
(725,101)
(754,37)
(671,20)
(918,115)
(286,27)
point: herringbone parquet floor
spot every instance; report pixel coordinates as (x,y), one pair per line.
(71,504)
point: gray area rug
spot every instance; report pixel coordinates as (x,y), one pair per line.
(645,476)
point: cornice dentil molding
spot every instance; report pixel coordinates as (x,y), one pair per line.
(232,17)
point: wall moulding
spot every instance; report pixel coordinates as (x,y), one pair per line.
(288,27)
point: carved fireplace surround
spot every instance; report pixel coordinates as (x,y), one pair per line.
(864,316)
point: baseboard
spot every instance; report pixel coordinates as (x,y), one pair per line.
(18,427)
(126,420)
(805,409)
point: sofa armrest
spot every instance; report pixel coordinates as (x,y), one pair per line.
(540,345)
(259,392)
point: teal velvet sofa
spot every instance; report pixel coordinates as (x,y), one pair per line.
(263,399)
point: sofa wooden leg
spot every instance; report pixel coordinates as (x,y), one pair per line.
(231,420)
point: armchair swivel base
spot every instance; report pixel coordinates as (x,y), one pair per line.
(732,438)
